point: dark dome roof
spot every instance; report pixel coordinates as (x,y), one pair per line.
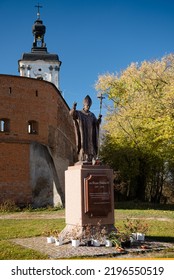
(38,28)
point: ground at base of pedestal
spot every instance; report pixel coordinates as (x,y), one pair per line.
(66,251)
(86,233)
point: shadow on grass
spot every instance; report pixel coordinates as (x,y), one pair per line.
(142,205)
(168,239)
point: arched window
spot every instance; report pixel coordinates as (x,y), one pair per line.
(4,125)
(32,127)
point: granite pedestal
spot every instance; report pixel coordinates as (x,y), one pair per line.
(89,198)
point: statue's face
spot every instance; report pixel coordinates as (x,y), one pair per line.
(86,107)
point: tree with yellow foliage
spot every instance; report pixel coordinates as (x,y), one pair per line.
(139,126)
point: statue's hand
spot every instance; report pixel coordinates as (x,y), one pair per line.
(99,119)
(74,105)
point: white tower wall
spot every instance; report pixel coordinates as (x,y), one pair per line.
(40,69)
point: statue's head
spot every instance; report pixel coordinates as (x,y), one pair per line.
(87,102)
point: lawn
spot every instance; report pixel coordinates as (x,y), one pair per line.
(10,228)
(161,228)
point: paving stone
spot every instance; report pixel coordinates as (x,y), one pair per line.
(67,251)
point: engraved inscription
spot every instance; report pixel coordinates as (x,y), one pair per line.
(97,195)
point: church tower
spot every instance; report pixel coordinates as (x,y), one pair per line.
(39,63)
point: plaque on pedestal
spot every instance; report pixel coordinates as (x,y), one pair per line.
(97,195)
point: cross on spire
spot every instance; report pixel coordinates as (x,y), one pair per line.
(38,6)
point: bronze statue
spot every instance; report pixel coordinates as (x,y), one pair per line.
(87,131)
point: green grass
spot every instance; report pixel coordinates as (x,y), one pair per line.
(10,229)
(160,230)
(27,228)
(142,214)
(143,205)
(9,251)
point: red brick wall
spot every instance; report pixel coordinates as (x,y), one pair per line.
(14,171)
(21,100)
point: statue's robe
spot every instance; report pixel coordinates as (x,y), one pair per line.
(87,133)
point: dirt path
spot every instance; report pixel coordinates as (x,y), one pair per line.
(61,214)
(32,215)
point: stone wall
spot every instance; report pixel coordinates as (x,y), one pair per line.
(39,143)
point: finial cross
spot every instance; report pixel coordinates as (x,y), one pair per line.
(38,6)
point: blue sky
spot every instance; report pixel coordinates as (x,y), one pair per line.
(91,37)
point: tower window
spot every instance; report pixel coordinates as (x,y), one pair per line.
(33,127)
(4,125)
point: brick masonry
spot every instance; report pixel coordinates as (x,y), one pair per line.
(32,165)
